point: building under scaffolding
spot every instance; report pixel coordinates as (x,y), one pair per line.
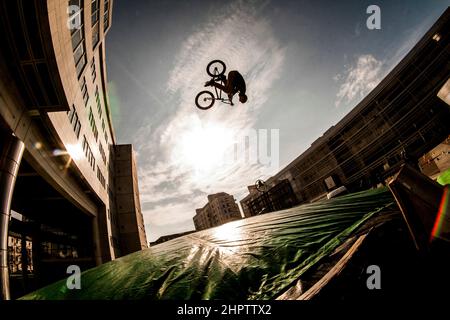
(279,197)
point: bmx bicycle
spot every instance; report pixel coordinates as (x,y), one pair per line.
(205,99)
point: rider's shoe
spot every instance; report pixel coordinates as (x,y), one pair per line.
(209,83)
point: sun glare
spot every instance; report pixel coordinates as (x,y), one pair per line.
(74,151)
(227,233)
(204,147)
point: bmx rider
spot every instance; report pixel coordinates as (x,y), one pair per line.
(234,84)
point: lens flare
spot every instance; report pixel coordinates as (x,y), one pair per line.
(442,213)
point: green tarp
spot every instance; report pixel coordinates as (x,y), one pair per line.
(254,258)
(444,178)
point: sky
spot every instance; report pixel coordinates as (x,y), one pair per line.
(306,65)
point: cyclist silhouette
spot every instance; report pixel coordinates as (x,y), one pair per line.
(234,84)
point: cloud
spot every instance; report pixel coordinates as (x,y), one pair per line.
(366,71)
(359,79)
(179,160)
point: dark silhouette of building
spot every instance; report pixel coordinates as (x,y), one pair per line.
(279,197)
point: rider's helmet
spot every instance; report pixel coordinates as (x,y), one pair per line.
(242,98)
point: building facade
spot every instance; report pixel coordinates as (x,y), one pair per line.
(437,160)
(253,193)
(60,166)
(221,208)
(403,118)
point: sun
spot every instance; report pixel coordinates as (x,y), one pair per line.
(203,148)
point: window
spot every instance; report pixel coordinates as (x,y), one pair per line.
(88,153)
(71,113)
(93,126)
(77,33)
(100,177)
(76,125)
(78,53)
(102,152)
(99,104)
(80,65)
(84,91)
(95,12)
(95,36)
(74,121)
(77,38)
(91,116)
(85,145)
(75,16)
(106,15)
(95,9)
(99,108)
(91,160)
(93,71)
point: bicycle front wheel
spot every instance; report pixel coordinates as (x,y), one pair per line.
(216,68)
(204,100)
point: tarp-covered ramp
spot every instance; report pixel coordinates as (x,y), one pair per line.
(256,258)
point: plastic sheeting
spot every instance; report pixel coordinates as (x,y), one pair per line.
(254,258)
(444,178)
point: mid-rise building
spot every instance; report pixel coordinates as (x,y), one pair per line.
(221,208)
(72,189)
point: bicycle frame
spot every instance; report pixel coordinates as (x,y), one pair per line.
(219,92)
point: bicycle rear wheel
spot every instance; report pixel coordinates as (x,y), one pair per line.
(204,100)
(216,68)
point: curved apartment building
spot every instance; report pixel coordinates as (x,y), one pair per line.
(69,193)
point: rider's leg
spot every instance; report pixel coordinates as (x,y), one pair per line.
(230,97)
(227,88)
(220,86)
(231,93)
